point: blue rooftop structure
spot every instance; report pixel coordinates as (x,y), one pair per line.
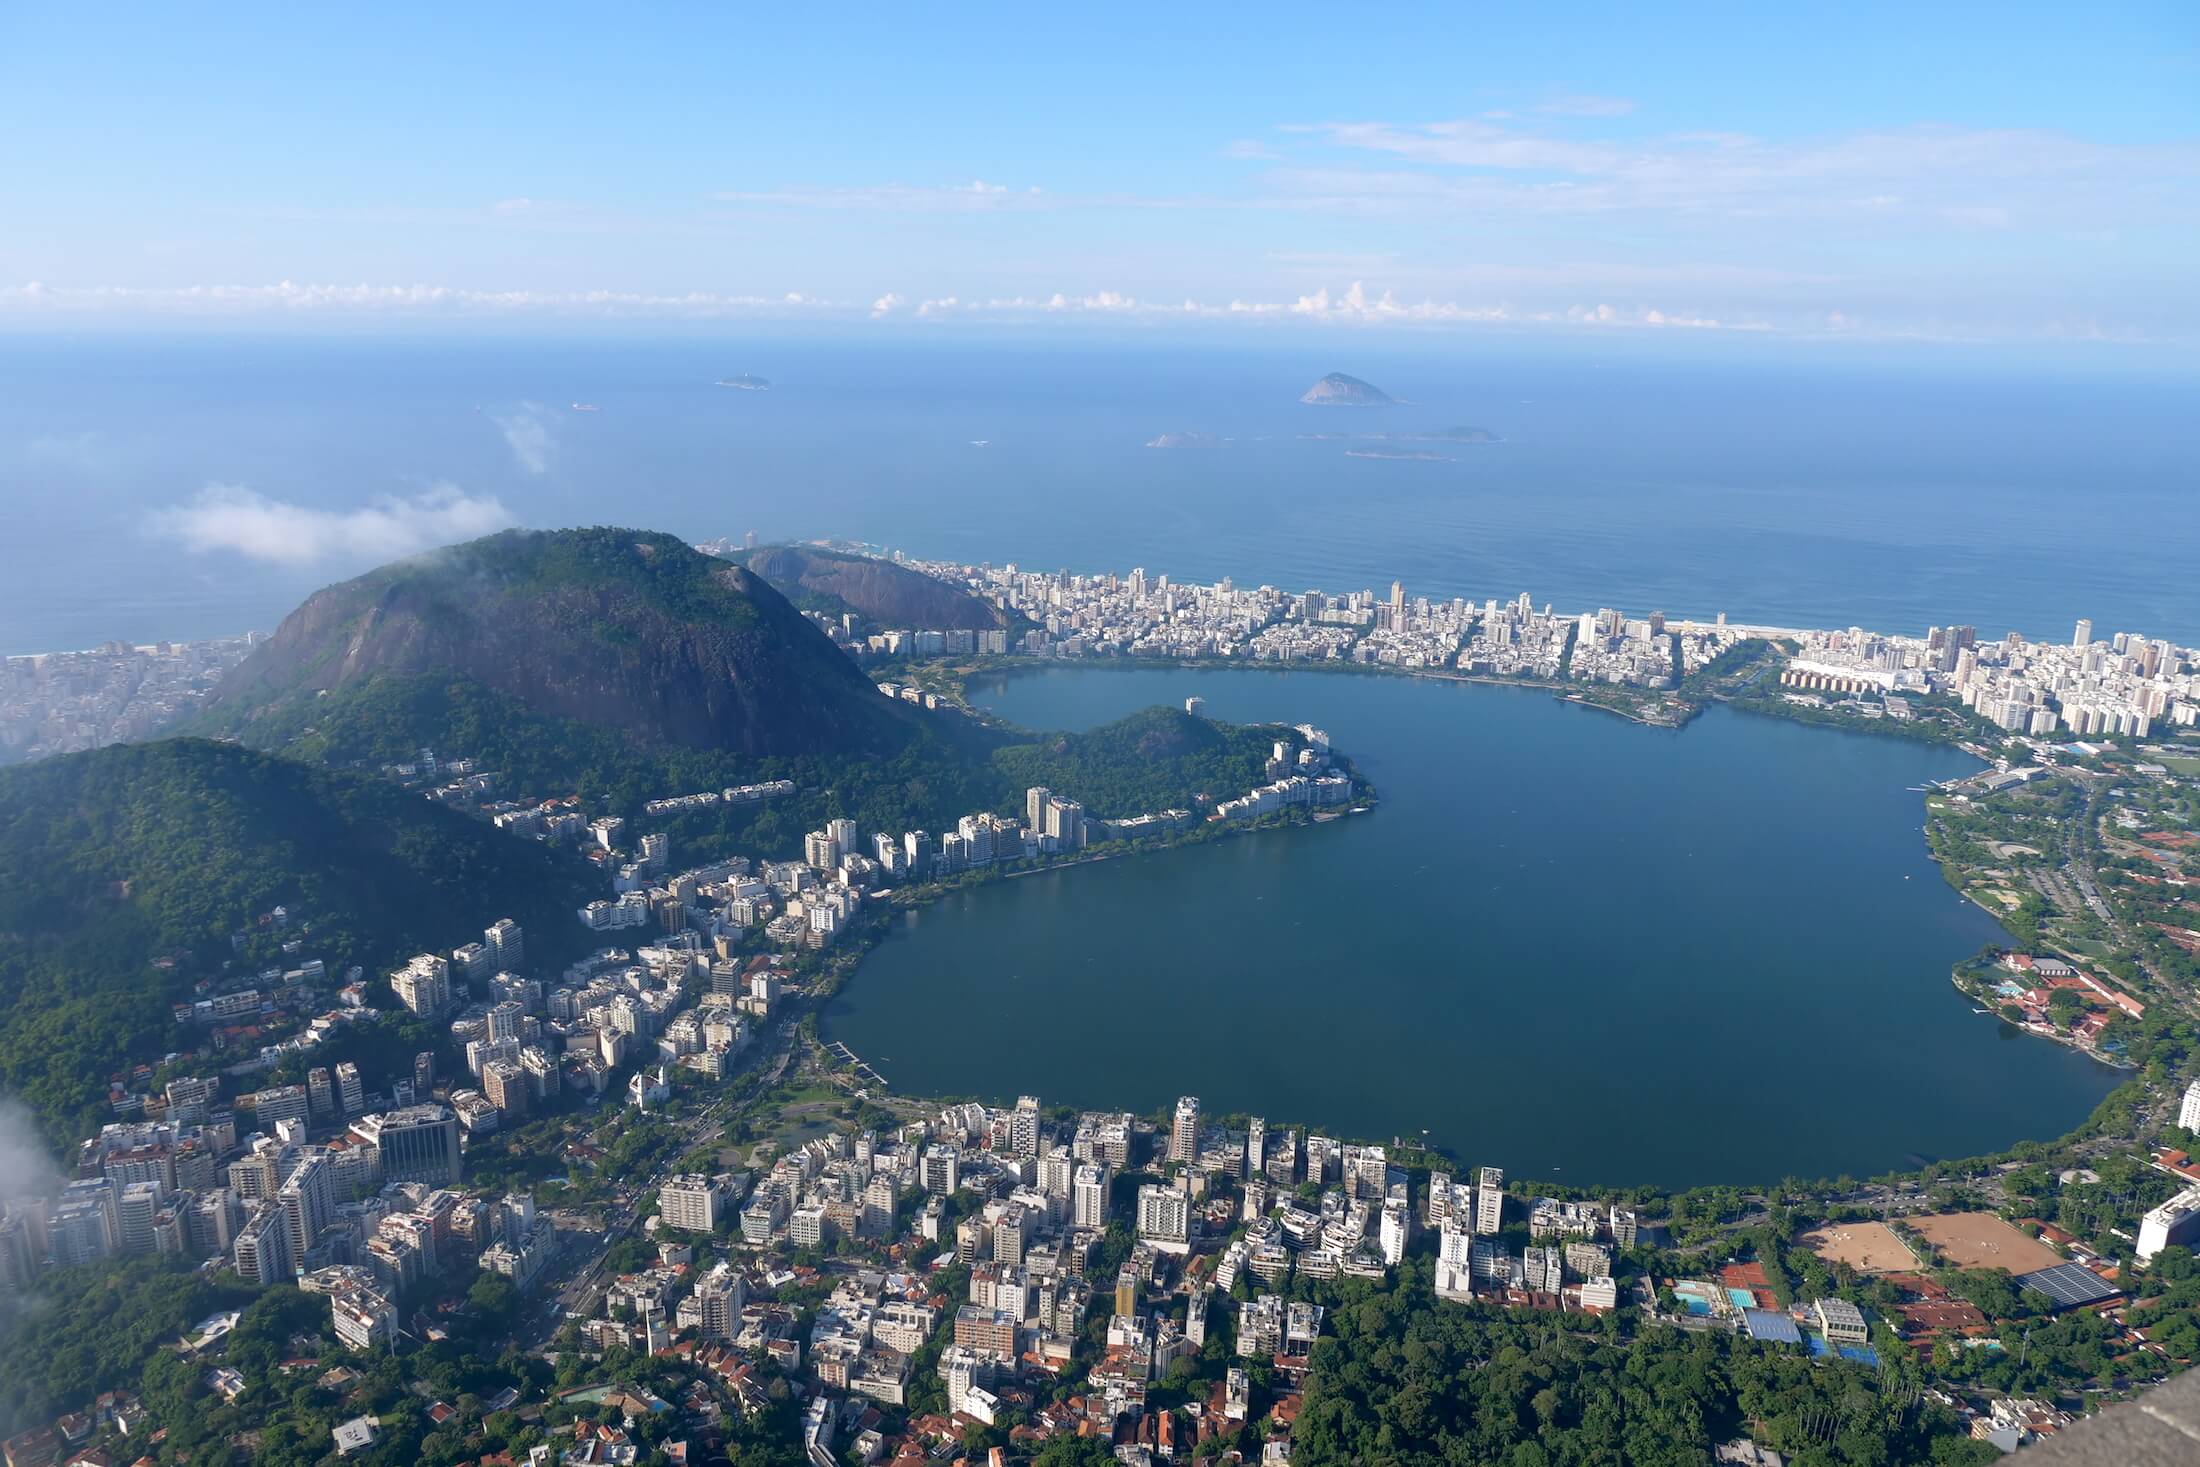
(1764,1324)
(2068,1285)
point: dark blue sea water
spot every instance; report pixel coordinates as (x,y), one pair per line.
(1564,944)
(1893,491)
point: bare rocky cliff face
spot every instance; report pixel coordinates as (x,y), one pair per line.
(886,594)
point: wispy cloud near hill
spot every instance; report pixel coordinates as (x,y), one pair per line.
(230,517)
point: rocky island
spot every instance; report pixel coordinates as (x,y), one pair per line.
(1339,390)
(744,382)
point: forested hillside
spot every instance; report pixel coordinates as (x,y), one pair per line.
(130,874)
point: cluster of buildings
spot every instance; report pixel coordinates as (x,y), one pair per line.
(2123,686)
(942,642)
(303,1190)
(2176,1222)
(808,903)
(684,1002)
(1026,1200)
(1568,1260)
(282,1178)
(1152,616)
(2029,993)
(61,702)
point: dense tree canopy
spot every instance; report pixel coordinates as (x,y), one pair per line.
(130,874)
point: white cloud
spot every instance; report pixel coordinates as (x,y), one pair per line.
(233,518)
(527,433)
(27,1168)
(1747,297)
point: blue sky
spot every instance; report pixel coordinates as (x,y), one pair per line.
(1999,173)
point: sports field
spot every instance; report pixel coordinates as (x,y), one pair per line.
(1982,1240)
(1867,1247)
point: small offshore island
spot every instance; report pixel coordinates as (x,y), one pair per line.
(1340,390)
(742,381)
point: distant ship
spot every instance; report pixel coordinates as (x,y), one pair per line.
(744,382)
(586,407)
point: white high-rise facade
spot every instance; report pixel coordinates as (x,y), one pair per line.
(1089,1197)
(1489,1200)
(2188,1110)
(1184,1133)
(1165,1218)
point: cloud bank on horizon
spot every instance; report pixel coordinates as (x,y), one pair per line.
(233,518)
(1896,174)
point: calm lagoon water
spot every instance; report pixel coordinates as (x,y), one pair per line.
(1563,943)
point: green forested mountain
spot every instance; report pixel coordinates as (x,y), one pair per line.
(1155,759)
(130,874)
(630,632)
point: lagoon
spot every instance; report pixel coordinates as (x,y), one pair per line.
(1563,943)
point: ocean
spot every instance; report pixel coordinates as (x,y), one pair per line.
(1829,487)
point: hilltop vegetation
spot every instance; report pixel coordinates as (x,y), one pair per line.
(1156,759)
(631,632)
(131,873)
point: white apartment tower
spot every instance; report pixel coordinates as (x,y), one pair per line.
(1184,1133)
(506,941)
(1023,1128)
(424,985)
(1089,1197)
(692,1202)
(1489,1200)
(1165,1218)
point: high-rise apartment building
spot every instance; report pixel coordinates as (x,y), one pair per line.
(1089,1197)
(423,985)
(1184,1131)
(508,943)
(1489,1200)
(418,1143)
(1023,1128)
(1165,1217)
(693,1202)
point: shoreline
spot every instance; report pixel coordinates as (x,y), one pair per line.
(2119,1072)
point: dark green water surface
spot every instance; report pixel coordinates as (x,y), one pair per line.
(1563,943)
